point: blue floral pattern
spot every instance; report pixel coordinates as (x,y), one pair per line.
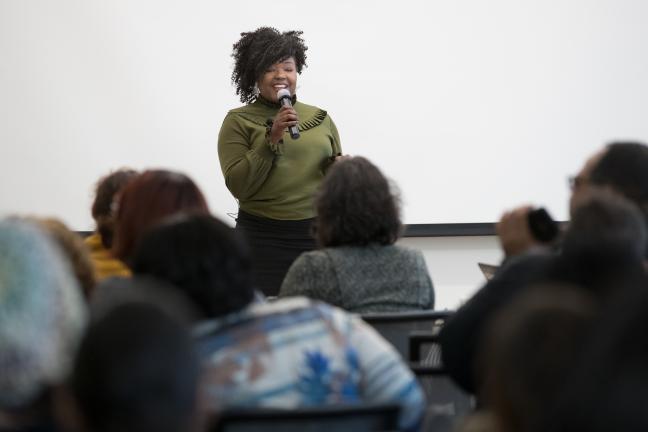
(296,352)
(319,384)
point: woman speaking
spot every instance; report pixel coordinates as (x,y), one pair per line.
(272,175)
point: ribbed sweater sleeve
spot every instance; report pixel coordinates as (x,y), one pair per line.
(245,165)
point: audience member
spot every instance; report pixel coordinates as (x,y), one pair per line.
(620,167)
(532,346)
(606,391)
(149,198)
(146,290)
(100,242)
(136,371)
(75,250)
(604,245)
(285,354)
(359,268)
(41,319)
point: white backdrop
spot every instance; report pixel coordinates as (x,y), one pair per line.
(471,106)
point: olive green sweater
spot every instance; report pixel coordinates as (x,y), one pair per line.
(276,181)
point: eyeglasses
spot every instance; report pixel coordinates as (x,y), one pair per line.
(576,181)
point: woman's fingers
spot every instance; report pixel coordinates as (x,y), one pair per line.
(285,118)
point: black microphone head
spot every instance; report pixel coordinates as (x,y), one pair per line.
(283,93)
(542,225)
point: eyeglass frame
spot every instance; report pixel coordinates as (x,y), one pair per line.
(576,181)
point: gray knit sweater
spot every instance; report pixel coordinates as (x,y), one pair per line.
(373,278)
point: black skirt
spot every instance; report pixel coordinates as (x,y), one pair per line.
(275,245)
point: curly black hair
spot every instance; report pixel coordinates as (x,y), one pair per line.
(356,205)
(207,260)
(256,51)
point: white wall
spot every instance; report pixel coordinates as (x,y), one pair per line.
(452,262)
(470,105)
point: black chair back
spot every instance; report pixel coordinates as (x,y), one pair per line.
(351,418)
(397,326)
(447,403)
(415,335)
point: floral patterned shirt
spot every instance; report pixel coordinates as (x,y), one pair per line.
(297,352)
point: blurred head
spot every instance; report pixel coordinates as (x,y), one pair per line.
(621,167)
(606,391)
(148,199)
(102,208)
(356,206)
(136,371)
(117,291)
(530,349)
(264,58)
(201,256)
(74,250)
(605,242)
(41,314)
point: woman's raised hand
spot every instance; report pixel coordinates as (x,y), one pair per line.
(285,118)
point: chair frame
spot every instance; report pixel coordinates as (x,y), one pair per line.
(388,412)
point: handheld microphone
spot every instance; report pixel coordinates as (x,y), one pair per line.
(542,226)
(284,99)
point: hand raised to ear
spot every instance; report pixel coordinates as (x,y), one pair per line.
(514,233)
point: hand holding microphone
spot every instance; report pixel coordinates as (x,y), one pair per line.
(286,118)
(523,228)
